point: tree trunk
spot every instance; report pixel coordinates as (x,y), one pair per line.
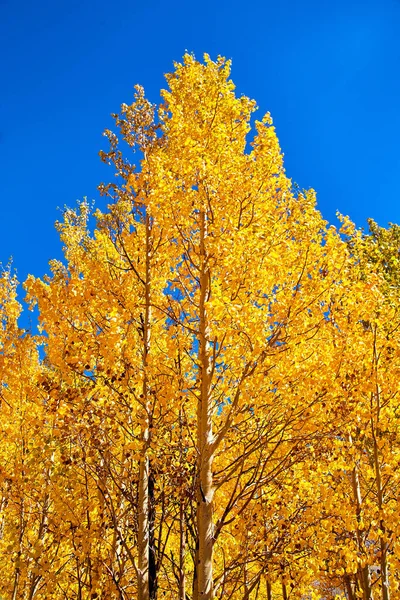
(182,519)
(383,544)
(182,549)
(144,507)
(153,579)
(269,590)
(378,478)
(363,572)
(284,591)
(349,588)
(205,436)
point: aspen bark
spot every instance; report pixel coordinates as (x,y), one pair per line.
(383,544)
(205,435)
(284,591)
(349,588)
(269,590)
(363,572)
(35,579)
(378,478)
(21,519)
(182,524)
(144,507)
(182,549)
(153,574)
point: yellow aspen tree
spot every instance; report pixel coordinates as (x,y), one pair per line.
(252,272)
(97,316)
(28,544)
(244,271)
(361,485)
(220,376)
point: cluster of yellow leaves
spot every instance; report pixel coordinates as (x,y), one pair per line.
(217,404)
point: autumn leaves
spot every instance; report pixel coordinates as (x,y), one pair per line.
(213,416)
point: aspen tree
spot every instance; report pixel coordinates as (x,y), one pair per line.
(250,268)
(220,375)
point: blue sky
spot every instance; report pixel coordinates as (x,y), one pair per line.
(329,73)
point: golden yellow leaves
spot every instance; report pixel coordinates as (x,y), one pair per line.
(212,338)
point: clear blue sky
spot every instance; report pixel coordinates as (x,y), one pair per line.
(329,72)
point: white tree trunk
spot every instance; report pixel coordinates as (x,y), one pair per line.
(143,508)
(205,490)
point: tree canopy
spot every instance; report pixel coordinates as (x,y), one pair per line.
(210,408)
